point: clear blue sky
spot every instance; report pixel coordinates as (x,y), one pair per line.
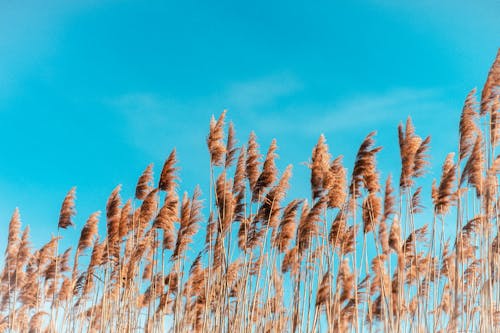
(93,91)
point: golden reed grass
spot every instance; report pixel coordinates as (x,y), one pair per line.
(351,258)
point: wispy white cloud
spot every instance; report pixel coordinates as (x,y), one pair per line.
(361,111)
(149,115)
(153,118)
(261,91)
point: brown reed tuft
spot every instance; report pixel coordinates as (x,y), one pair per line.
(67,210)
(494,121)
(443,195)
(268,175)
(336,184)
(473,170)
(167,216)
(113,217)
(243,234)
(143,186)
(269,210)
(215,139)
(168,174)
(190,216)
(346,278)
(252,163)
(88,233)
(408,146)
(388,199)
(492,82)
(36,322)
(320,166)
(395,235)
(239,173)
(349,240)
(231,148)
(125,224)
(287,226)
(148,208)
(66,290)
(372,210)
(24,249)
(421,160)
(416,202)
(364,174)
(383,237)
(291,261)
(468,127)
(338,230)
(225,202)
(308,225)
(323,294)
(13,238)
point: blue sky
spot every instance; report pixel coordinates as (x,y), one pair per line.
(93,91)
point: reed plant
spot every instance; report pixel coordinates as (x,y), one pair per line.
(354,256)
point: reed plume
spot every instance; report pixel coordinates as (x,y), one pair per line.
(88,233)
(308,225)
(287,226)
(473,170)
(372,210)
(215,139)
(268,174)
(320,166)
(323,293)
(336,184)
(252,163)
(113,217)
(364,174)
(225,202)
(143,186)
(190,216)
(168,174)
(443,195)
(13,238)
(494,122)
(492,82)
(468,127)
(148,209)
(269,210)
(67,210)
(231,148)
(167,216)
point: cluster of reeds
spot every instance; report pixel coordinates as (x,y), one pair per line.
(353,257)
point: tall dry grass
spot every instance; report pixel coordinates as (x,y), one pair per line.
(353,257)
